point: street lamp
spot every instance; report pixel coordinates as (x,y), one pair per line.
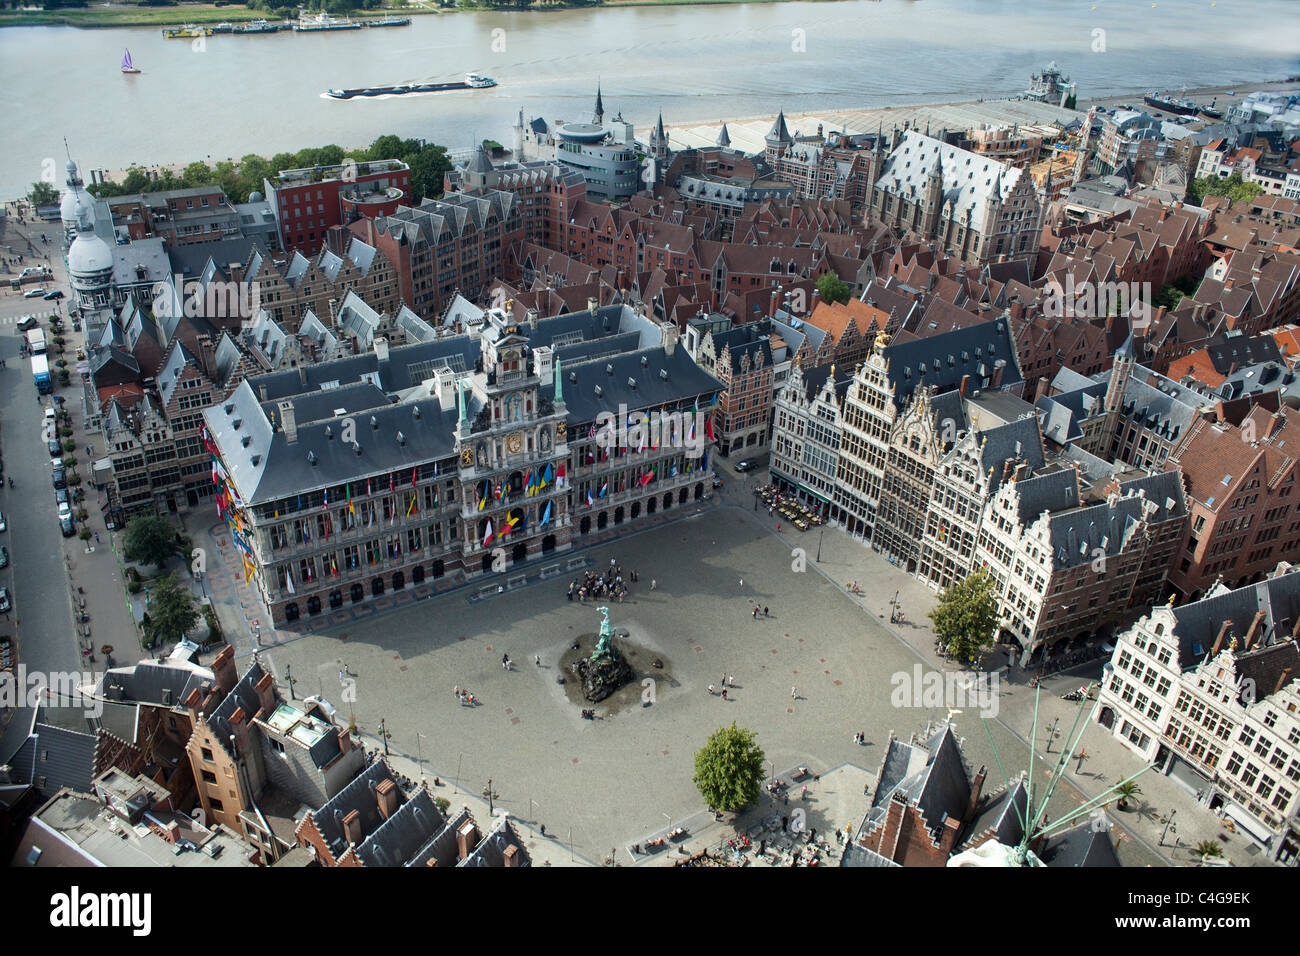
(1051,733)
(820,535)
(419,750)
(1169,824)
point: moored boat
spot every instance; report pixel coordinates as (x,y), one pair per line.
(189,31)
(472,81)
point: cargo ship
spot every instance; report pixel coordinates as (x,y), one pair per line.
(387,22)
(323,21)
(256,26)
(1212,111)
(187,32)
(472,81)
(1170,104)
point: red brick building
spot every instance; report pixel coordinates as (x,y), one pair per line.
(307,202)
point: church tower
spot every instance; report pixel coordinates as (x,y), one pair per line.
(598,116)
(933,202)
(659,140)
(778,139)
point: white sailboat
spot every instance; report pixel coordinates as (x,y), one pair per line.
(127,65)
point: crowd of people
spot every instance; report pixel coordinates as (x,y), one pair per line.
(600,587)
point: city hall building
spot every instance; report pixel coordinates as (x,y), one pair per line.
(345,481)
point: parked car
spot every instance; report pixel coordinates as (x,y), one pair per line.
(60,478)
(4,556)
(33,271)
(6,605)
(55,448)
(67,526)
(61,496)
(53,295)
(37,293)
(748,464)
(4,525)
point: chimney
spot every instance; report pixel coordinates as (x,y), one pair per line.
(532,318)
(592,305)
(977,787)
(386,794)
(352,827)
(466,839)
(288,421)
(1253,635)
(965,386)
(334,312)
(381,348)
(1282,680)
(1219,641)
(511,857)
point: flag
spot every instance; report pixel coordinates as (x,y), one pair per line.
(487,534)
(589,498)
(546,515)
(367,487)
(334,566)
(350,508)
(622,482)
(413,477)
(673,474)
(559,478)
(288,577)
(528,482)
(500,489)
(604,487)
(392,485)
(645,478)
(708,426)
(483,494)
(410,506)
(547,476)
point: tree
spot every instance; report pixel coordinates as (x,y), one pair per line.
(1125,792)
(43,194)
(1234,187)
(966,616)
(832,288)
(150,539)
(1208,850)
(729,768)
(172,610)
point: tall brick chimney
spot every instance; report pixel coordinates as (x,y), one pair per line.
(1253,635)
(1219,641)
(352,828)
(466,839)
(386,795)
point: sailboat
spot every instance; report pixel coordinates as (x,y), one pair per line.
(127,65)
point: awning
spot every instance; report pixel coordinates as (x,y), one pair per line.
(1248,823)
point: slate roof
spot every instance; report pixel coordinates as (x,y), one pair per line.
(1079,846)
(358,795)
(968,179)
(1014,440)
(400,838)
(1076,536)
(151,682)
(941,361)
(1197,624)
(54,758)
(1053,491)
(242,696)
(928,774)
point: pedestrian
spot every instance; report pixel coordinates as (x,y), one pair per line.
(653,584)
(538,660)
(96,537)
(785,824)
(710,690)
(756,612)
(778,526)
(456,691)
(765,614)
(742,582)
(794,693)
(731,680)
(724,693)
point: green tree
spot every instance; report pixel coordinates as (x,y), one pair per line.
(196,174)
(43,194)
(1209,849)
(1234,187)
(172,610)
(427,169)
(1126,792)
(150,539)
(729,768)
(832,288)
(966,616)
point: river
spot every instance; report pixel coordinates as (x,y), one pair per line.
(231,95)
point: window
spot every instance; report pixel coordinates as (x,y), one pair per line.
(216,805)
(207,754)
(209,776)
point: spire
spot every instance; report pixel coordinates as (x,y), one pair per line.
(559,383)
(780,132)
(599,116)
(659,127)
(724,139)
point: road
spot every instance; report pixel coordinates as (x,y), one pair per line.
(36,577)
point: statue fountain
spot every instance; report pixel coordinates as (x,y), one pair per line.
(606,670)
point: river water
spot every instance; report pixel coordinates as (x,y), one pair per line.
(232,95)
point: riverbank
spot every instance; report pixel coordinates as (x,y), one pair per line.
(204,14)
